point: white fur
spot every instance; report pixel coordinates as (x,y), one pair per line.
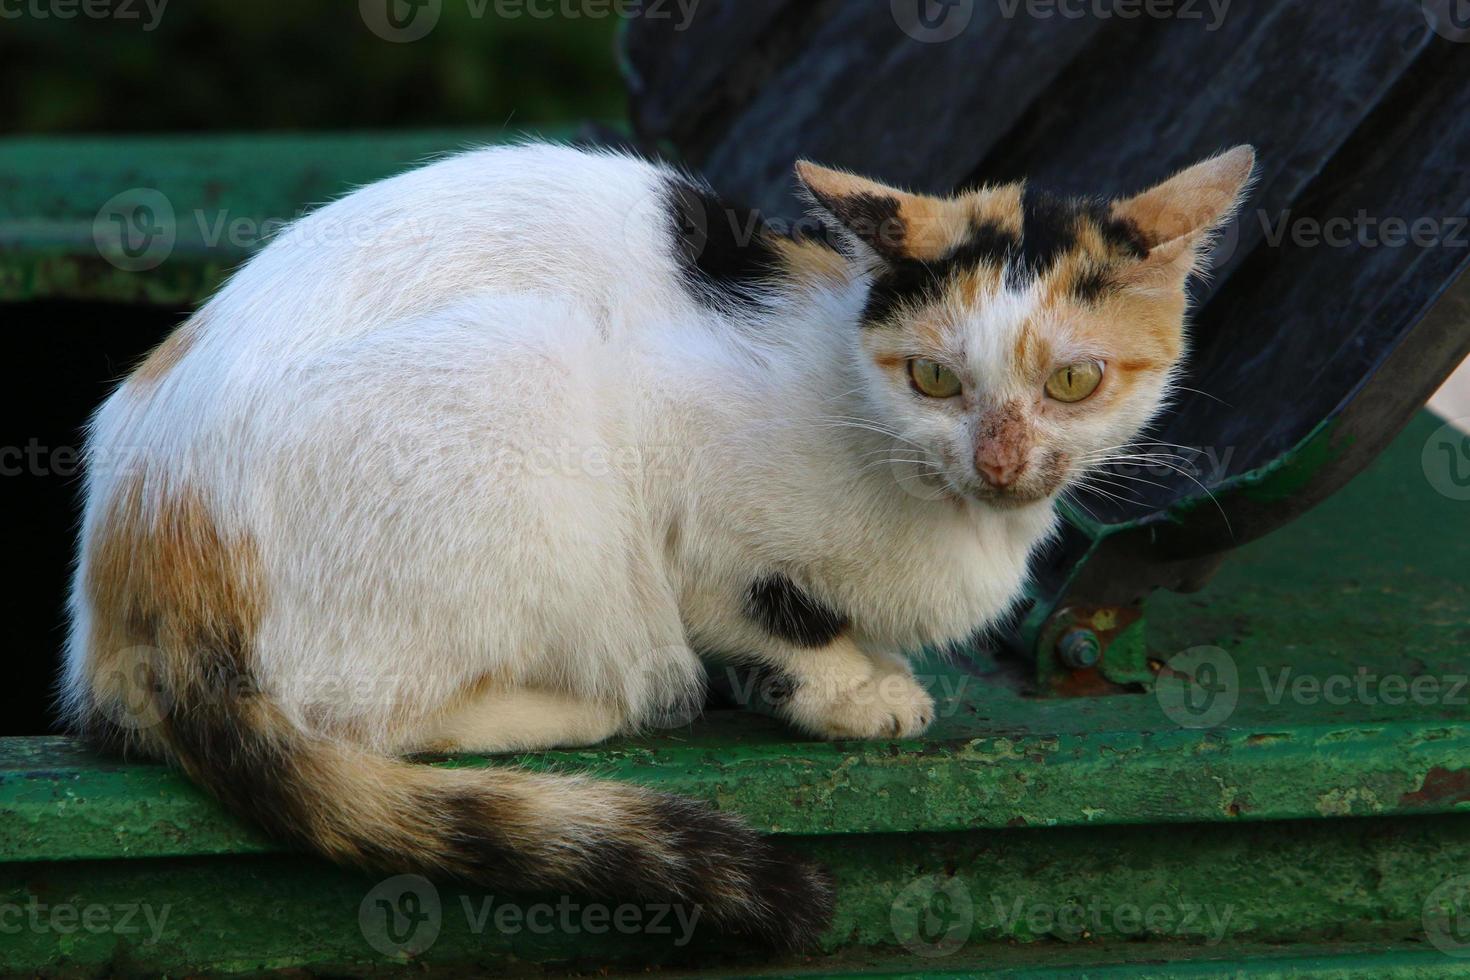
(475,426)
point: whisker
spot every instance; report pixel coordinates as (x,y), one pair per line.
(1204,393)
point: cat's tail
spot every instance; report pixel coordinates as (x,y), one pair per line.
(499,827)
(162,655)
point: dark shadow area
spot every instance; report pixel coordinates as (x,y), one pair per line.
(68,355)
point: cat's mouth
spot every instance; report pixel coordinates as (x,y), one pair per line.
(1009,499)
(931,481)
(1045,480)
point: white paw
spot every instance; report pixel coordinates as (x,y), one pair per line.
(887,704)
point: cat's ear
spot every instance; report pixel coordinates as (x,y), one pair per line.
(1175,219)
(892,224)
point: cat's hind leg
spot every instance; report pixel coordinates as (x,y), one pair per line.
(497,719)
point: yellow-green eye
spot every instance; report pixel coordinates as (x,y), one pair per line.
(1075,381)
(933,379)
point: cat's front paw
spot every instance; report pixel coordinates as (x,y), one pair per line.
(886,704)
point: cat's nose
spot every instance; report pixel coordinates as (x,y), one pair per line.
(1003,446)
(1000,473)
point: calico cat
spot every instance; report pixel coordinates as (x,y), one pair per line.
(476,459)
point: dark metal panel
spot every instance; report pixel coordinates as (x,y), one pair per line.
(868,96)
(1295,78)
(696,60)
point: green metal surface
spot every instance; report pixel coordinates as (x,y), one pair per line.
(1276,482)
(1067,894)
(189,209)
(1114,658)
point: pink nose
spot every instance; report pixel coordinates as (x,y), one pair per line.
(1000,473)
(1002,446)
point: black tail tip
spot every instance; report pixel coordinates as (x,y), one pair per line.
(747,884)
(797,900)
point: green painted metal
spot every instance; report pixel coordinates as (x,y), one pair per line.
(1234,963)
(191,208)
(1114,657)
(1276,481)
(61,810)
(1065,895)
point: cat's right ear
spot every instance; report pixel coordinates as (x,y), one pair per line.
(1175,219)
(884,221)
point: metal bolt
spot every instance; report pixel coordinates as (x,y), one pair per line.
(1079,648)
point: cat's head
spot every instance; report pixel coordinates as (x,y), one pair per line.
(1013,338)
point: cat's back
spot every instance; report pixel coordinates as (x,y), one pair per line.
(590,227)
(588,233)
(592,231)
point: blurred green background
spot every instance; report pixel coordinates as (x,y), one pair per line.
(192,65)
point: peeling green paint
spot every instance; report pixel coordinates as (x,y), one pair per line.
(1073,899)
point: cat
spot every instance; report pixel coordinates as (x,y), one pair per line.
(476,458)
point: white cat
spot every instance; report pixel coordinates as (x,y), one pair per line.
(477,458)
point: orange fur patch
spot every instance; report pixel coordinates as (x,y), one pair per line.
(925,228)
(812,263)
(167,355)
(1191,201)
(1031,352)
(1137,333)
(932,226)
(998,206)
(972,285)
(165,583)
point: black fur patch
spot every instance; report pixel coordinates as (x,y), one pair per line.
(1050,226)
(1093,285)
(791,614)
(873,218)
(724,250)
(212,725)
(987,242)
(914,282)
(905,281)
(1125,237)
(1048,231)
(723,857)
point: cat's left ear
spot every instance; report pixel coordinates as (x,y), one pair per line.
(891,223)
(1176,218)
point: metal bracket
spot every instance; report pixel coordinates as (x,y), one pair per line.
(1091,650)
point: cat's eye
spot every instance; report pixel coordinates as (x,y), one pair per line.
(1075,382)
(933,379)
